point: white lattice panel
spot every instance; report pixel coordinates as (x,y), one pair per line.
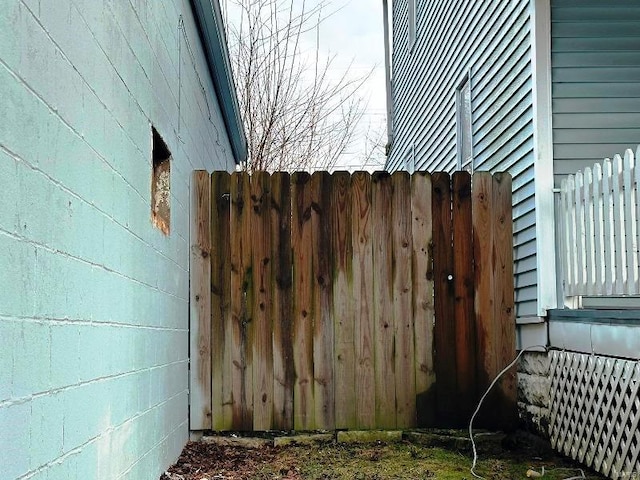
(595,412)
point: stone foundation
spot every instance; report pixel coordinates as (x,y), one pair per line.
(533,392)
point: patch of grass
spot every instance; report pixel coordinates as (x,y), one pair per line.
(394,462)
(418,457)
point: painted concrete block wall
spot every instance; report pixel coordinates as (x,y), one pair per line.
(94,298)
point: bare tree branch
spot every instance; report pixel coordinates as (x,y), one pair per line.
(297,112)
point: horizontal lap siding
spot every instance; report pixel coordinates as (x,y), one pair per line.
(491,40)
(595,72)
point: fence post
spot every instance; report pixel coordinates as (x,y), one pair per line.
(200,303)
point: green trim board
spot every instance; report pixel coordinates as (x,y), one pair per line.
(214,41)
(603,317)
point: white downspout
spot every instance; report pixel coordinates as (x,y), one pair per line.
(387,76)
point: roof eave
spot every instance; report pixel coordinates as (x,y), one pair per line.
(214,40)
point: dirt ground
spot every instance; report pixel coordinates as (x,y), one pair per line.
(512,458)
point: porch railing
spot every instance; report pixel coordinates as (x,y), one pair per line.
(598,226)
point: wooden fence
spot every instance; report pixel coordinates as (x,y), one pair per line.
(599,231)
(350,301)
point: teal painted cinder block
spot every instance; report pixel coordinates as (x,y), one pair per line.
(65,355)
(31,363)
(35,196)
(18,266)
(46,429)
(15,458)
(87,462)
(124,404)
(86,410)
(94,352)
(8,192)
(61,284)
(142,380)
(64,469)
(11,30)
(7,334)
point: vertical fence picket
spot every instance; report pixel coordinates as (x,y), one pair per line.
(636,189)
(445,334)
(323,331)
(384,322)
(486,346)
(573,238)
(200,302)
(610,251)
(220,295)
(504,307)
(363,295)
(630,234)
(580,233)
(302,244)
(463,284)
(567,282)
(342,307)
(241,339)
(589,260)
(404,349)
(598,227)
(261,306)
(282,301)
(618,226)
(422,272)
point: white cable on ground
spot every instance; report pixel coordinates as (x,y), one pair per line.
(495,380)
(530,473)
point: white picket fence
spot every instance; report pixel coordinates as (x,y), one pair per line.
(598,220)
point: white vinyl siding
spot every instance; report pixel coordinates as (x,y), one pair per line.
(490,42)
(596,81)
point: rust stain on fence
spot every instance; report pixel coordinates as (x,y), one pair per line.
(353,301)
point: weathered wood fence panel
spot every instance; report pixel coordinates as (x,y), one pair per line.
(350,301)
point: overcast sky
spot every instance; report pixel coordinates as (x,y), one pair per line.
(353,31)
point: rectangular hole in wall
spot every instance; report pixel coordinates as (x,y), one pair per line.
(161,184)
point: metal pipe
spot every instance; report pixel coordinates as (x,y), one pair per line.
(387,76)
